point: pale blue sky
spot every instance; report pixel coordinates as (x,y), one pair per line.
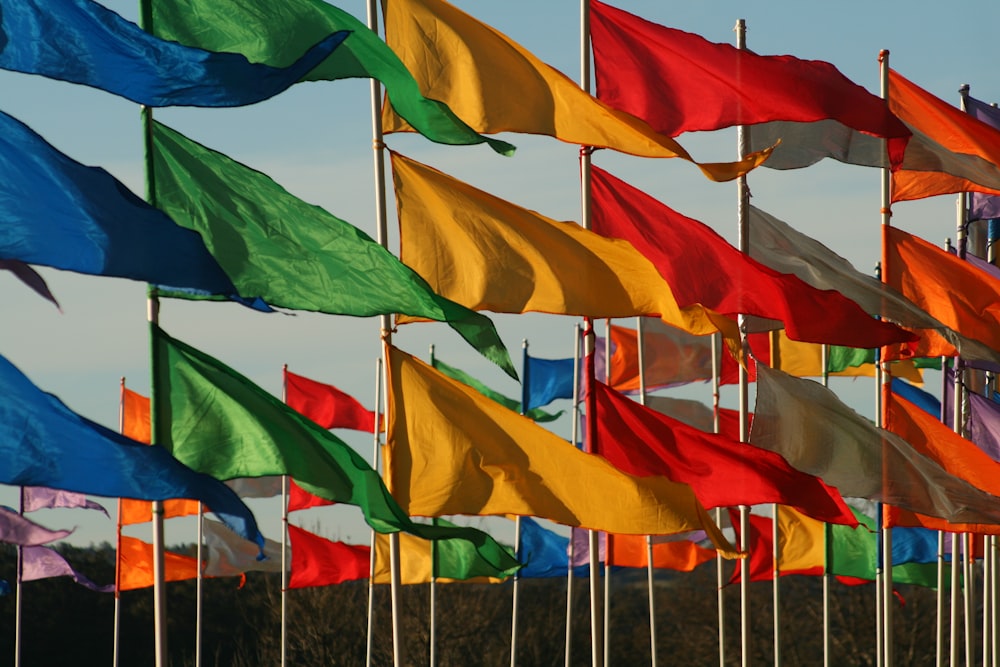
(315,140)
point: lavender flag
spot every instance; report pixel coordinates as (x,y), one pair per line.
(983,425)
(41,497)
(44,562)
(581,547)
(15,529)
(983,207)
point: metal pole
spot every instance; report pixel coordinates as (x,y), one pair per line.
(525,397)
(720,576)
(574,437)
(284,539)
(118,538)
(608,538)
(19,591)
(650,569)
(370,642)
(825,361)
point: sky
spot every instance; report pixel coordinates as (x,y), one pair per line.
(315,140)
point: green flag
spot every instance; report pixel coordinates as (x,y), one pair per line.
(842,358)
(293,254)
(278,33)
(217,422)
(536,414)
(453,559)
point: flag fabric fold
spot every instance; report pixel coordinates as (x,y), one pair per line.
(547,380)
(294,254)
(220,423)
(818,434)
(44,443)
(473,69)
(39,497)
(670,356)
(449,450)
(317,561)
(545,553)
(16,529)
(537,414)
(60,213)
(722,472)
(679,555)
(135,564)
(31,278)
(229,555)
(44,562)
(81,41)
(326,405)
(277,34)
(490,254)
(701,267)
(680,82)
(983,207)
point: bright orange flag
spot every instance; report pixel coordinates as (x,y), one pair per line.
(953,291)
(950,151)
(135,564)
(679,555)
(135,425)
(496,85)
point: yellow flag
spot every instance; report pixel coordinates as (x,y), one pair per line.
(414,562)
(496,85)
(489,254)
(801,541)
(806,360)
(451,450)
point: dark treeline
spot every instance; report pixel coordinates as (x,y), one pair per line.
(67,624)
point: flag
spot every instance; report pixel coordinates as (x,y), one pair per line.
(44,443)
(701,267)
(581,547)
(723,472)
(495,85)
(300,499)
(229,555)
(816,433)
(316,561)
(804,144)
(220,423)
(983,424)
(450,561)
(781,247)
(31,278)
(545,554)
(537,414)
(135,564)
(34,498)
(677,555)
(326,405)
(920,398)
(680,82)
(60,213)
(956,293)
(277,34)
(801,545)
(955,152)
(44,562)
(690,412)
(81,41)
(294,254)
(15,529)
(670,356)
(135,425)
(449,450)
(489,254)
(547,379)
(983,207)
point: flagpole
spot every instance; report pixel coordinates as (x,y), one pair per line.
(574,436)
(433,583)
(881,380)
(968,590)
(18,587)
(284,539)
(385,324)
(939,653)
(743,203)
(118,537)
(525,396)
(650,571)
(199,555)
(825,361)
(607,536)
(597,652)
(720,578)
(775,534)
(370,643)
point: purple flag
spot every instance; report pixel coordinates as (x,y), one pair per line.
(984,419)
(983,207)
(40,497)
(29,277)
(44,562)
(15,529)
(581,546)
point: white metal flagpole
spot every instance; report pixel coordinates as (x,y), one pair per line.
(525,396)
(574,437)
(650,569)
(284,539)
(825,360)
(369,644)
(608,538)
(118,538)
(720,575)
(200,557)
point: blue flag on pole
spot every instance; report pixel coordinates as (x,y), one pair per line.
(44,443)
(918,397)
(84,42)
(544,553)
(546,380)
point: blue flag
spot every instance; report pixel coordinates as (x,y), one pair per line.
(59,213)
(84,42)
(546,380)
(44,443)
(544,553)
(918,397)
(914,545)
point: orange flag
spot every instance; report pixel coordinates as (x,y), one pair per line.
(950,151)
(135,425)
(135,565)
(679,555)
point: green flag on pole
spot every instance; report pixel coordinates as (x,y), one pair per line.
(292,254)
(217,422)
(278,33)
(537,414)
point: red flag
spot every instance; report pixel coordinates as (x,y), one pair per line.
(300,499)
(802,559)
(316,561)
(326,405)
(701,267)
(721,471)
(680,82)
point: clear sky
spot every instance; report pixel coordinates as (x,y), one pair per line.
(315,139)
